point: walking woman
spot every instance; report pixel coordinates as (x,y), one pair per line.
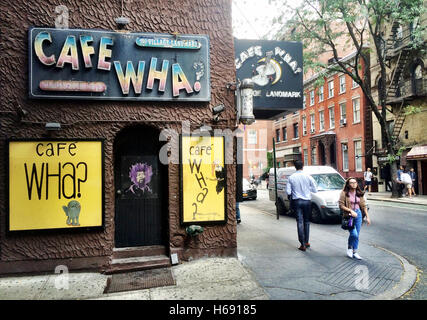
(352,202)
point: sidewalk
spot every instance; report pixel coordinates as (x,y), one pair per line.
(386,196)
(269,266)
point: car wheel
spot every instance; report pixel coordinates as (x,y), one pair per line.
(316,216)
(281,207)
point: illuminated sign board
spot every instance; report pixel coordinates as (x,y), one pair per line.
(203,180)
(107,65)
(276,68)
(55,184)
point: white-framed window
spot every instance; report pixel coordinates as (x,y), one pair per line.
(321,94)
(313,156)
(312,124)
(277,135)
(252,137)
(343,111)
(295,126)
(321,120)
(304,101)
(355,84)
(356,110)
(344,149)
(358,155)
(342,83)
(331,89)
(312,98)
(331,117)
(305,156)
(304,125)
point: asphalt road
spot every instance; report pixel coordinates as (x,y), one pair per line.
(400,228)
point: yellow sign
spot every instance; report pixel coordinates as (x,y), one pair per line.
(203,181)
(55,184)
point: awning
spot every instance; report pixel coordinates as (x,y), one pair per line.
(417,152)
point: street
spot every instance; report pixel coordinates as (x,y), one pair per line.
(399,228)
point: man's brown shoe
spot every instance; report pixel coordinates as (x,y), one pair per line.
(307,245)
(302,248)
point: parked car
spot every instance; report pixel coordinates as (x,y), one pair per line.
(249,190)
(324,205)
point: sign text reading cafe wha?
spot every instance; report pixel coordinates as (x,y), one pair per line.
(104,65)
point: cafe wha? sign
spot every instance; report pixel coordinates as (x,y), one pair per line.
(106,65)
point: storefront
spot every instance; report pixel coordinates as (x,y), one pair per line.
(94,125)
(417,157)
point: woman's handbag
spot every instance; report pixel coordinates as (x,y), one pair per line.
(347,222)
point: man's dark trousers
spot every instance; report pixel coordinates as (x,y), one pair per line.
(302,210)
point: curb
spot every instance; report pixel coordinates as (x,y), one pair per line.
(407,280)
(397,201)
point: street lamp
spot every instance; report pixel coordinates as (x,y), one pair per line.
(244,100)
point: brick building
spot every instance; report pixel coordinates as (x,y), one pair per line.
(333,128)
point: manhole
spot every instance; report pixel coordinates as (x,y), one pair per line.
(140,280)
(363,276)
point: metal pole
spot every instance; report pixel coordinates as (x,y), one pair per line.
(275,178)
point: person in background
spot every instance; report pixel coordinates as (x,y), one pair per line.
(352,202)
(414,179)
(367,176)
(239,190)
(406,180)
(399,181)
(299,188)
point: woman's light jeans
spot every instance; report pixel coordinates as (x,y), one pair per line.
(353,239)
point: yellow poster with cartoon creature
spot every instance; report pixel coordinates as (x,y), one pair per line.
(203,179)
(55,184)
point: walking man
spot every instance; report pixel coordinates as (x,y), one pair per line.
(367,175)
(299,188)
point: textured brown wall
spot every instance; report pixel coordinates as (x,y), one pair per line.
(211,17)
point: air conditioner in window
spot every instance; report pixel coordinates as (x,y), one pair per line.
(344,147)
(343,122)
(312,130)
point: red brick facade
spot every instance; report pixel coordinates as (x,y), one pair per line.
(332,140)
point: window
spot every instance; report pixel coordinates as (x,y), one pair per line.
(312,128)
(343,112)
(331,117)
(321,94)
(356,110)
(342,83)
(305,151)
(304,101)
(313,156)
(344,149)
(358,155)
(295,130)
(252,139)
(355,84)
(331,89)
(321,120)
(304,125)
(277,135)
(285,134)
(312,98)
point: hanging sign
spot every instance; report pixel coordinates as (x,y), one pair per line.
(276,68)
(55,184)
(203,180)
(106,65)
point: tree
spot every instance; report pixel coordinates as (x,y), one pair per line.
(324,25)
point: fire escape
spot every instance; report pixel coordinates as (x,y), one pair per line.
(398,53)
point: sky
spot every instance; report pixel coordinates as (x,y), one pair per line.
(252,18)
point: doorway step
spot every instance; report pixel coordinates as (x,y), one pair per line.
(137,259)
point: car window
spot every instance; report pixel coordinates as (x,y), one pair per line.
(328,181)
(246,183)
